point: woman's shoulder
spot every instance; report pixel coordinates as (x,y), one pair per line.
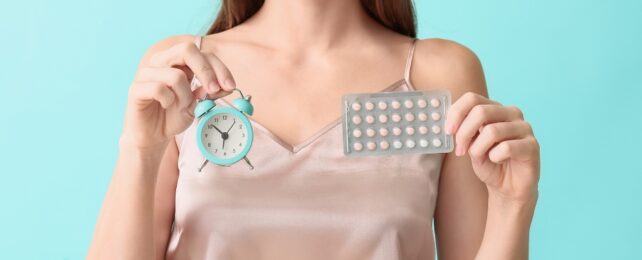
(443,63)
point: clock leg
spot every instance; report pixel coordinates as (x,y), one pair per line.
(202,165)
(248,162)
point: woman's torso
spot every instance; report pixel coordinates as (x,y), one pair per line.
(307,201)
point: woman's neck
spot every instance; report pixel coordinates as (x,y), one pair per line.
(317,24)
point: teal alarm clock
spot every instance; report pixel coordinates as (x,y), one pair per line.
(224,135)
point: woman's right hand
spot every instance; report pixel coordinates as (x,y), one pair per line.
(161,101)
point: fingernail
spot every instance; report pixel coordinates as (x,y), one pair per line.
(229,83)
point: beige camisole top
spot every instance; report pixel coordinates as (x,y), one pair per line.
(307,201)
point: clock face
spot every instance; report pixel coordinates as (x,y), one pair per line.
(225,135)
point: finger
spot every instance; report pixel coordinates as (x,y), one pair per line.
(458,111)
(519,149)
(153,91)
(496,133)
(187,54)
(479,116)
(201,93)
(172,77)
(219,94)
(223,74)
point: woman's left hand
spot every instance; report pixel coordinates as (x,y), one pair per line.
(501,145)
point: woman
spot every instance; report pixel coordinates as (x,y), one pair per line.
(304,199)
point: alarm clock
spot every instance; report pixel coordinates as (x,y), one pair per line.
(224,135)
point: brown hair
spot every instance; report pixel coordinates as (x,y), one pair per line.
(398,15)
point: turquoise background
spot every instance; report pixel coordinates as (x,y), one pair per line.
(573,66)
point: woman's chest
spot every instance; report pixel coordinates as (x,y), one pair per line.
(305,199)
(318,214)
(314,183)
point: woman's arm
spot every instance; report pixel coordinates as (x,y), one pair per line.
(135,194)
(135,218)
(483,210)
(125,225)
(165,198)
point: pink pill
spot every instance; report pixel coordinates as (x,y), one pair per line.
(382,105)
(434,102)
(410,130)
(436,129)
(436,142)
(370,119)
(396,131)
(421,103)
(408,103)
(356,106)
(384,145)
(370,132)
(383,118)
(435,116)
(357,146)
(383,131)
(395,104)
(356,120)
(356,133)
(410,117)
(369,106)
(396,118)
(423,130)
(422,116)
(371,145)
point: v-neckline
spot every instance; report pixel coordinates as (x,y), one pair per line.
(293,149)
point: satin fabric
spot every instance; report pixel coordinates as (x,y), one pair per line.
(304,202)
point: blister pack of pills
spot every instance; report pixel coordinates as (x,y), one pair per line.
(403,122)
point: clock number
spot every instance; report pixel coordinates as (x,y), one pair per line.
(216,120)
(234,150)
(224,117)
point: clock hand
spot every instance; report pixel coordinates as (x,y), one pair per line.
(217,129)
(225,135)
(231,126)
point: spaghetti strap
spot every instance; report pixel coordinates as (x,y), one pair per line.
(198,41)
(411,52)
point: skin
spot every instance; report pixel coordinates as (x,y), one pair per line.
(488,186)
